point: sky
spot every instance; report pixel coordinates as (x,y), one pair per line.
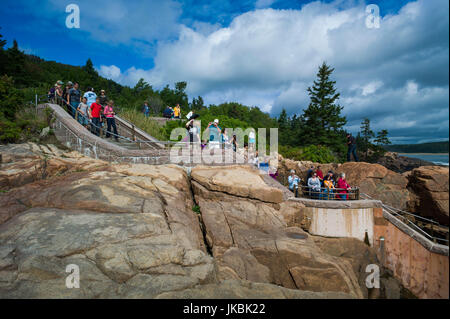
(261,53)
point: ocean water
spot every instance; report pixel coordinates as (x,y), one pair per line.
(439,159)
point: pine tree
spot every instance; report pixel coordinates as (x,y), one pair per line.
(89,68)
(16,64)
(322,120)
(366,135)
(382,138)
(2,56)
(283,127)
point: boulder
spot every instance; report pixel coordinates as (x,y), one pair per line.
(250,240)
(430,185)
(242,289)
(130,230)
(401,164)
(301,168)
(378,182)
(239,181)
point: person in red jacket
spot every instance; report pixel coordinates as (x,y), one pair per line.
(343,187)
(96,109)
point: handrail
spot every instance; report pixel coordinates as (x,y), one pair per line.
(331,194)
(65,104)
(397,213)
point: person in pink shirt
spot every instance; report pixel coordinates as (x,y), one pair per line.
(108,112)
(343,187)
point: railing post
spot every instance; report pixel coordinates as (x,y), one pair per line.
(133,133)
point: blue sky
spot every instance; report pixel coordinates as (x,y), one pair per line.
(260,52)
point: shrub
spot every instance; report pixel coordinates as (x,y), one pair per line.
(9,130)
(144,123)
(317,154)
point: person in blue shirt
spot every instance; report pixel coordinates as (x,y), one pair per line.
(90,96)
(214,134)
(146,109)
(293,181)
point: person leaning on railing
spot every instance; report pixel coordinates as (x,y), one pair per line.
(344,187)
(314,186)
(328,184)
(73,99)
(293,181)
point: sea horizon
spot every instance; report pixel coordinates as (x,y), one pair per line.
(436,158)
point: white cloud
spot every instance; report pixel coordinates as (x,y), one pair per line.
(110,72)
(269,57)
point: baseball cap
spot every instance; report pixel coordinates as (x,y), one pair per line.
(216,121)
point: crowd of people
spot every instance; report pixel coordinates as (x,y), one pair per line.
(171,112)
(90,110)
(318,186)
(94,111)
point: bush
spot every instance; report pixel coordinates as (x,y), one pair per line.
(27,125)
(317,154)
(9,130)
(313,153)
(290,152)
(144,123)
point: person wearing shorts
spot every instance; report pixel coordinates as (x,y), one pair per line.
(83,117)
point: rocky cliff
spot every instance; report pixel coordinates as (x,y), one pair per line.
(423,190)
(135,231)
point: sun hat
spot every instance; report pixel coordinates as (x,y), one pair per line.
(60,82)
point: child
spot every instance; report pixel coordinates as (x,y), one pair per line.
(110,120)
(83,110)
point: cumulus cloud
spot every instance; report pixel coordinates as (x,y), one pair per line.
(269,57)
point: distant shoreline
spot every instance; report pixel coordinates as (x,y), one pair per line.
(422,153)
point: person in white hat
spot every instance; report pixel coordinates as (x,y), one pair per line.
(214,134)
(293,181)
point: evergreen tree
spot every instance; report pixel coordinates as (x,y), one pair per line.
(197,104)
(2,56)
(366,135)
(322,120)
(382,138)
(89,68)
(181,96)
(16,64)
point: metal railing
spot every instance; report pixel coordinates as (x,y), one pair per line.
(325,193)
(131,127)
(429,228)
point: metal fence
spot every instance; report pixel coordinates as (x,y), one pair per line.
(324,193)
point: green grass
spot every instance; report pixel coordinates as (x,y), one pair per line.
(144,123)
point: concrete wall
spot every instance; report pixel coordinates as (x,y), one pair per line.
(332,222)
(339,218)
(420,265)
